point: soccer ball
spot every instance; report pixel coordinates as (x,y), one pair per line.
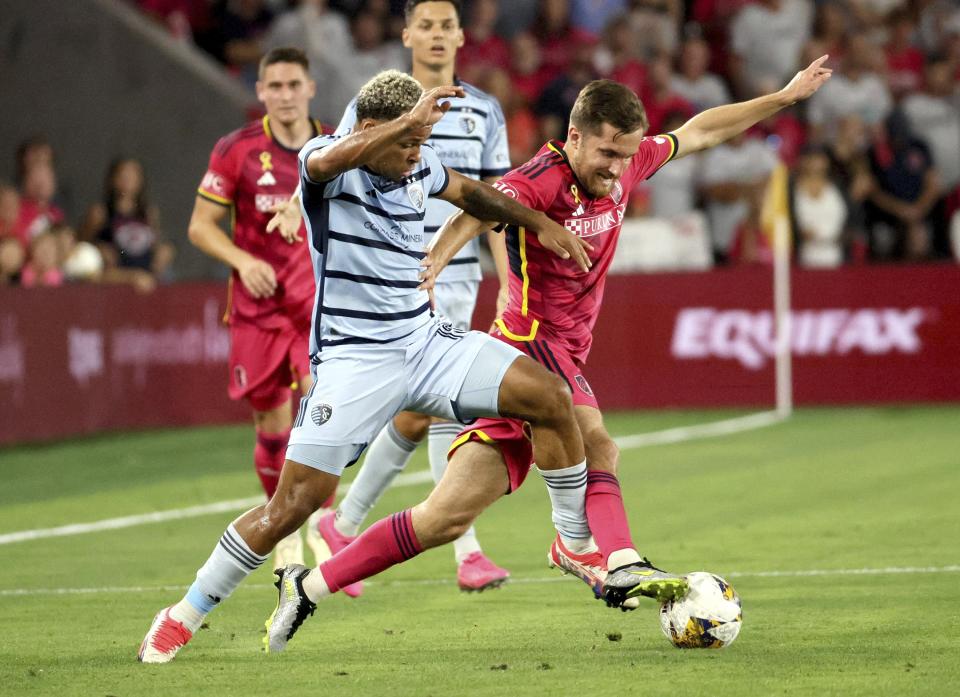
(707,617)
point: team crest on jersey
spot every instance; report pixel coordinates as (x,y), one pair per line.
(583,384)
(415,193)
(617,193)
(321,414)
(267,180)
(468,124)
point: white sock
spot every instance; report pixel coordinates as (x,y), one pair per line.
(231,561)
(568,490)
(622,557)
(579,546)
(314,585)
(439,441)
(386,458)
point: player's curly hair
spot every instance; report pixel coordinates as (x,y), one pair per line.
(606,101)
(387,96)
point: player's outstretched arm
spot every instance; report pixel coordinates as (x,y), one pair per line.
(483,202)
(714,126)
(363,145)
(257,276)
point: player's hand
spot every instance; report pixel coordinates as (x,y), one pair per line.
(428,279)
(430,109)
(807,81)
(503,298)
(286,219)
(258,277)
(564,243)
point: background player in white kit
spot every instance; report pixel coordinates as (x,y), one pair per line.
(376,348)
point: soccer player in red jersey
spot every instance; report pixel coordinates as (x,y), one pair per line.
(584,184)
(271,288)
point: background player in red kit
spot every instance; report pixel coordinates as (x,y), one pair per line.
(584,184)
(271,288)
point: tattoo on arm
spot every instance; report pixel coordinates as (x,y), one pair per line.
(484,202)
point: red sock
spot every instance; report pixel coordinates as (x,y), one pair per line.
(387,542)
(268,455)
(605,513)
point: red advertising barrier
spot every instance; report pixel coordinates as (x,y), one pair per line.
(860,335)
(84,359)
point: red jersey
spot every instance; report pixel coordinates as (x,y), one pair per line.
(555,293)
(250,172)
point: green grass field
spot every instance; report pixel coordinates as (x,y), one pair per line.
(831,490)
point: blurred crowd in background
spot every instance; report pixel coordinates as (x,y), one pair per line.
(874,157)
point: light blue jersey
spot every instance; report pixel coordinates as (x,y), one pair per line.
(366,242)
(471,138)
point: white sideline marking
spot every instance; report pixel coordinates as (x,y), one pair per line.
(176,514)
(697,431)
(640,440)
(803,573)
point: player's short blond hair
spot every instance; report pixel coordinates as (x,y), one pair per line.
(387,96)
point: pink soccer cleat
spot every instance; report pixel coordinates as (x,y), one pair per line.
(337,541)
(165,638)
(478,573)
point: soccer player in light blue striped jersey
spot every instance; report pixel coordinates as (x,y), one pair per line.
(470,138)
(377,348)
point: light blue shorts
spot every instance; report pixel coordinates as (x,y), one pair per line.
(438,370)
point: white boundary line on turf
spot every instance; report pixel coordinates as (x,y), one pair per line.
(802,573)
(640,440)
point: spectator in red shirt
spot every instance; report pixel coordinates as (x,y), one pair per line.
(557,36)
(527,72)
(37,210)
(660,99)
(904,60)
(482,49)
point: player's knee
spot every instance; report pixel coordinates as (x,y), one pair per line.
(554,402)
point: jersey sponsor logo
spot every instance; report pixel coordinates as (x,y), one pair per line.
(596,224)
(213,183)
(321,414)
(468,124)
(264,202)
(505,188)
(749,337)
(583,384)
(396,233)
(267,180)
(415,194)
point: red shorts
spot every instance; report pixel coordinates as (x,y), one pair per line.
(266,364)
(512,436)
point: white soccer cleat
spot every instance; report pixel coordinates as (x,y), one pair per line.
(288,551)
(165,638)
